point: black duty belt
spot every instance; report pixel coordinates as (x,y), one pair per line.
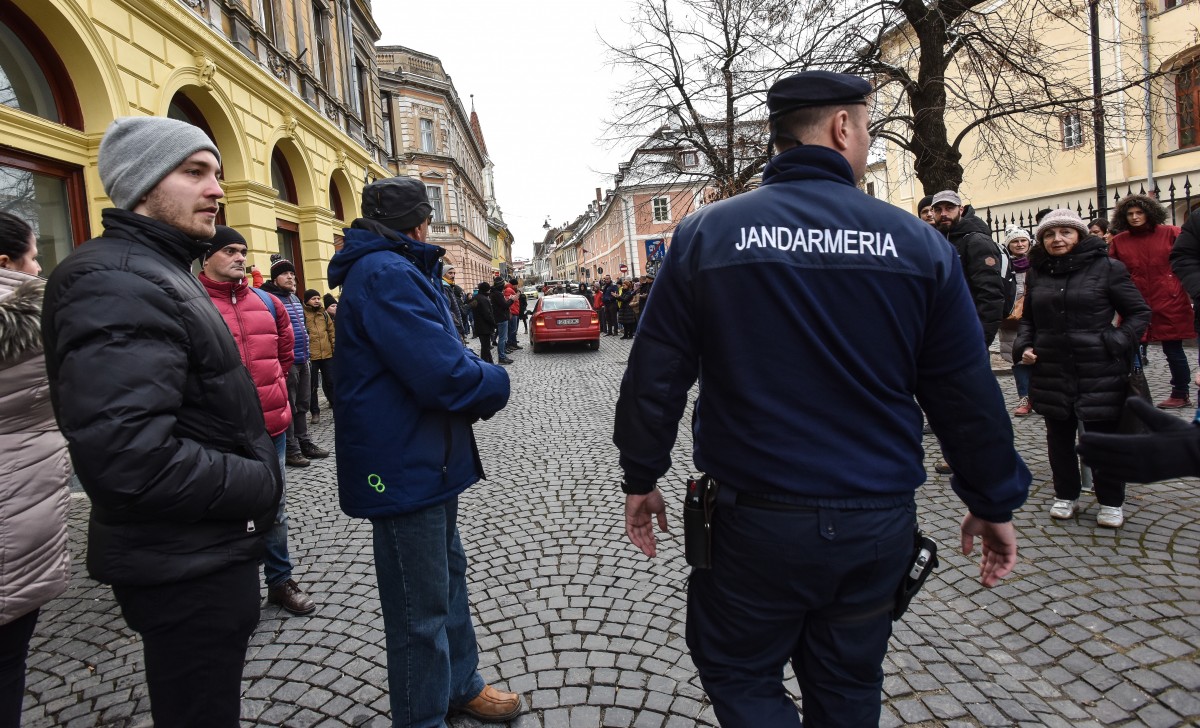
(750,500)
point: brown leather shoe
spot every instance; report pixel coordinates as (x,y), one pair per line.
(493,705)
(291,597)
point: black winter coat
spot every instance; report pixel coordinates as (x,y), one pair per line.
(1083,361)
(485,317)
(162,420)
(1185,256)
(980,258)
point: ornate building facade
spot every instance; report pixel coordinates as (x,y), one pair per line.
(287,90)
(432,137)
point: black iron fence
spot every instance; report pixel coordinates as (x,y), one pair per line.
(1178,201)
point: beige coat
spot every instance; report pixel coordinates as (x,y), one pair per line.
(320,333)
(34,465)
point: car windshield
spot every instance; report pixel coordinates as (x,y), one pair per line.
(566,303)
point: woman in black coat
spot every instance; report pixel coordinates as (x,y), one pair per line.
(485,320)
(1080,361)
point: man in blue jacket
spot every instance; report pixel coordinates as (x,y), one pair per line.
(407,392)
(813,433)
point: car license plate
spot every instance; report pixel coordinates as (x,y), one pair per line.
(568,322)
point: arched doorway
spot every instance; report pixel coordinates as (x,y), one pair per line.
(46,193)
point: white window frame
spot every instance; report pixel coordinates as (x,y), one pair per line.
(1072,130)
(435,199)
(428,143)
(661,203)
(689,159)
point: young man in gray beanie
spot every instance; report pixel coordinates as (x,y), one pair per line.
(163,421)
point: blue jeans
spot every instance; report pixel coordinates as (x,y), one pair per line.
(1181,373)
(277,565)
(512,329)
(1022,373)
(502,338)
(432,656)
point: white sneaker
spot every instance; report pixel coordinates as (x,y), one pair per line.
(1063,509)
(1110,517)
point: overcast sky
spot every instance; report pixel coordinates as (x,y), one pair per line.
(542,86)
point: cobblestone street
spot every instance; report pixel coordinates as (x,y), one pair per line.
(1095,627)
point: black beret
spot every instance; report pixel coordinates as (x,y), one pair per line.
(816,88)
(400,203)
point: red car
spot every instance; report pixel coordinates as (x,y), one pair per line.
(564,317)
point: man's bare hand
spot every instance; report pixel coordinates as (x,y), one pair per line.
(639,513)
(999,542)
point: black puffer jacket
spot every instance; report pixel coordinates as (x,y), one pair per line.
(162,420)
(1082,359)
(1185,256)
(980,258)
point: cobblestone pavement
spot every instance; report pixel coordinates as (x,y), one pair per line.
(1095,628)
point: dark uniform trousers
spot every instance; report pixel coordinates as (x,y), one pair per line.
(813,586)
(194,638)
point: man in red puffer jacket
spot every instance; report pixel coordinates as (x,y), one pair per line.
(263,333)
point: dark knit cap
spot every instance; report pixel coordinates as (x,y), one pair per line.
(484,286)
(926,201)
(225,236)
(328,300)
(311,293)
(281,266)
(400,203)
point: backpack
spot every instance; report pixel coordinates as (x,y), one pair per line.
(1008,274)
(267,298)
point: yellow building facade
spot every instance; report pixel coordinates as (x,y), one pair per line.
(285,88)
(1168,156)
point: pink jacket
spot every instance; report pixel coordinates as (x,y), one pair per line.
(264,343)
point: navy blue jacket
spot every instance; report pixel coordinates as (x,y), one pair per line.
(407,390)
(295,312)
(848,308)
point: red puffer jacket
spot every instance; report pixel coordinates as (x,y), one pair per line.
(265,345)
(1145,254)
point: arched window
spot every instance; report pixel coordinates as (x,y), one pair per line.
(281,177)
(335,201)
(182,109)
(1187,105)
(32,78)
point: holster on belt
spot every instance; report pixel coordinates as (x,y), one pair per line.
(699,503)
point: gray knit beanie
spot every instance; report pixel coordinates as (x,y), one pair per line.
(138,151)
(1014,232)
(1062,217)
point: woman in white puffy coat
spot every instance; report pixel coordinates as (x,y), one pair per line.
(34,466)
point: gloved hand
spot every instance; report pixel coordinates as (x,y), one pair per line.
(1171,450)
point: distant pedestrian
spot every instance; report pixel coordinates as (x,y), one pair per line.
(1143,241)
(500,312)
(321,340)
(608,318)
(1017,241)
(169,441)
(626,316)
(979,257)
(34,566)
(260,327)
(454,299)
(485,320)
(299,446)
(406,451)
(1099,228)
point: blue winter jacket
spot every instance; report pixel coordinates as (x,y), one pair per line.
(295,312)
(849,311)
(407,390)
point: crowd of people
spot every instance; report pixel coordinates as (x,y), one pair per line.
(211,382)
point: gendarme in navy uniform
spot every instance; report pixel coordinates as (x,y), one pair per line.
(850,313)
